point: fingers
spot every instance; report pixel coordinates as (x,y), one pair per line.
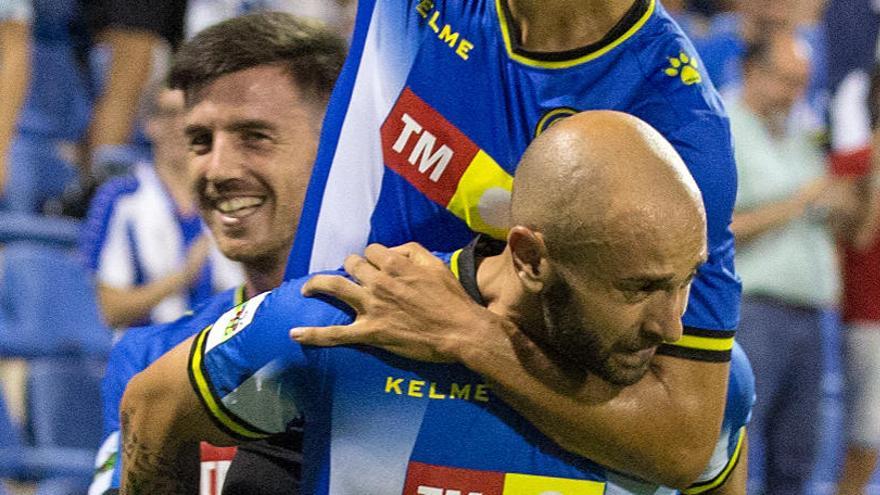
(385,259)
(325,336)
(417,254)
(360,269)
(338,287)
(395,260)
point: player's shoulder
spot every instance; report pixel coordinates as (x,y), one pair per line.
(675,75)
(288,303)
(134,351)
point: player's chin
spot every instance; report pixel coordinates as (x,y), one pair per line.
(627,368)
(241,249)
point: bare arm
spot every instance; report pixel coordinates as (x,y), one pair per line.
(162,422)
(124,307)
(662,429)
(14,77)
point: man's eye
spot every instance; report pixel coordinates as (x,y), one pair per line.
(255,137)
(635,294)
(200,144)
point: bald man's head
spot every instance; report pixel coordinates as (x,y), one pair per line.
(609,229)
(603,173)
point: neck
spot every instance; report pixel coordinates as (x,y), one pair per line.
(560,25)
(503,293)
(264,275)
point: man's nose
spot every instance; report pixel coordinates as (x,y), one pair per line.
(665,312)
(223,161)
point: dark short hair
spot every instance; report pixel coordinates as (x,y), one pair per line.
(311,53)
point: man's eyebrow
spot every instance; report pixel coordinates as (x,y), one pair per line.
(659,279)
(194,129)
(237,126)
(251,125)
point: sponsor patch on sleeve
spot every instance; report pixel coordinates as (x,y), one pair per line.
(233,321)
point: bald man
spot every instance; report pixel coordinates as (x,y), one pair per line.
(596,281)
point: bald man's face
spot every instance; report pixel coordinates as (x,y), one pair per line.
(611,306)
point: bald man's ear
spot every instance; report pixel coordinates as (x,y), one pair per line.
(529,253)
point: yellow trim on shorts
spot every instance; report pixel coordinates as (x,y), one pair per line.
(725,473)
(203,390)
(564,64)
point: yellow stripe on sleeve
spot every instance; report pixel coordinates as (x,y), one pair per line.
(482,198)
(704,343)
(725,473)
(204,392)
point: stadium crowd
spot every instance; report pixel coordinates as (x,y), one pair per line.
(137,138)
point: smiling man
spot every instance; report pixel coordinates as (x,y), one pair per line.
(572,276)
(255,88)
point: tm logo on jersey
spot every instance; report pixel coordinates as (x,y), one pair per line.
(428,479)
(445,165)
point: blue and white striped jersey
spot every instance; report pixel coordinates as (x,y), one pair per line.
(437,103)
(134,234)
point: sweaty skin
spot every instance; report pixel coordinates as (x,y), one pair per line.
(623,210)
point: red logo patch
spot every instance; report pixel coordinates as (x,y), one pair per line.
(424,148)
(426,479)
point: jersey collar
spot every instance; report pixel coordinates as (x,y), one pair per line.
(632,21)
(465,261)
(240,296)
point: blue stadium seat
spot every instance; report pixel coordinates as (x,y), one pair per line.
(64,417)
(62,486)
(64,402)
(48,304)
(59,231)
(10,443)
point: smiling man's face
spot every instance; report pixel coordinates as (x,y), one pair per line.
(252,139)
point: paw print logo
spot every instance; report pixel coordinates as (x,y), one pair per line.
(685,67)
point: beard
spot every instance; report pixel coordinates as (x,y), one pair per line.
(581,346)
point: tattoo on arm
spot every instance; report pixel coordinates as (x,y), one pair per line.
(150,471)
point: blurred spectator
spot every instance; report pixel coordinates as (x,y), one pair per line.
(786,258)
(130,45)
(55,113)
(854,156)
(133,33)
(144,239)
(15,21)
(337,14)
(721,37)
